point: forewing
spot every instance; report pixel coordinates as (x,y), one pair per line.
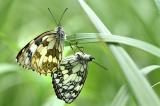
(46,41)
(69,79)
(47,56)
(25,55)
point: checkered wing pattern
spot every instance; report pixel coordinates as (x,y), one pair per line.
(70,78)
(42,54)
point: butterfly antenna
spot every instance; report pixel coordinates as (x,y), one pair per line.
(53,16)
(62,16)
(100,65)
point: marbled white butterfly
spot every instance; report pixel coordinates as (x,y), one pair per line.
(44,53)
(69,79)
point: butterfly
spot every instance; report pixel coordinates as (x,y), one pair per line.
(44,53)
(69,79)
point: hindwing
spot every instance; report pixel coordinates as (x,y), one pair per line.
(69,79)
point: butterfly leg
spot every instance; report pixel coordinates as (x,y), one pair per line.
(74,44)
(80,48)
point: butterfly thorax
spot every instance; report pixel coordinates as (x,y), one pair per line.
(84,57)
(60,32)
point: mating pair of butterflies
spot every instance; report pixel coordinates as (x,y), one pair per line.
(44,55)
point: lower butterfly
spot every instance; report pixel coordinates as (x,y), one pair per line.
(44,53)
(69,79)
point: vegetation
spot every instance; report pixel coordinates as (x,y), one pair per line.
(122,35)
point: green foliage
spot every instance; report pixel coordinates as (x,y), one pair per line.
(124,83)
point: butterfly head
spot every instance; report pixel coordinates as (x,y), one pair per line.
(59,30)
(83,56)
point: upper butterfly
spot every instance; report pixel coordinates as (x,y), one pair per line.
(44,53)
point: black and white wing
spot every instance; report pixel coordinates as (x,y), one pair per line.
(70,78)
(42,54)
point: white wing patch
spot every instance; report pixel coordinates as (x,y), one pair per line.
(33,48)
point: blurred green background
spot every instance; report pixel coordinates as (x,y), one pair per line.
(22,20)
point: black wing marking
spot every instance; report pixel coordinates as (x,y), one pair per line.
(70,78)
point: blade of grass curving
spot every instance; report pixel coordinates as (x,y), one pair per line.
(144,95)
(53,101)
(121,97)
(5,67)
(92,37)
(153,86)
(134,77)
(149,69)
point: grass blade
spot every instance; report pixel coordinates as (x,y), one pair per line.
(7,67)
(144,95)
(93,37)
(121,98)
(149,69)
(153,86)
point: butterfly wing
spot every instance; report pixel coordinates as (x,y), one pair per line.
(42,54)
(69,79)
(25,55)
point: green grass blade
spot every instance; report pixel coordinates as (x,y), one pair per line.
(153,86)
(136,81)
(93,37)
(144,95)
(149,69)
(7,67)
(121,97)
